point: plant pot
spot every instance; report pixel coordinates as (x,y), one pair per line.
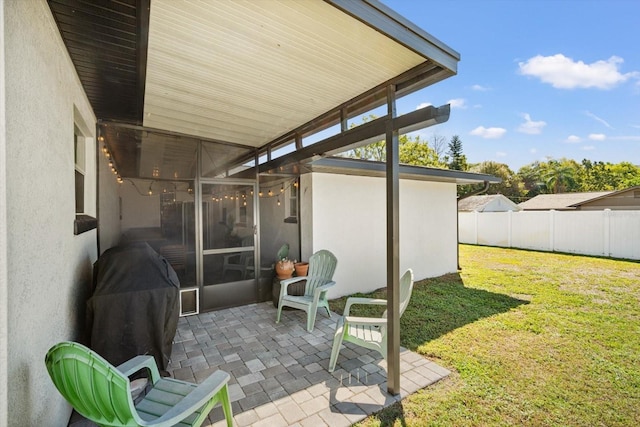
(302,268)
(284,269)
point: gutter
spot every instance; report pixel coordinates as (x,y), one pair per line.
(475,193)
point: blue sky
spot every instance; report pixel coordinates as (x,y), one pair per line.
(536,79)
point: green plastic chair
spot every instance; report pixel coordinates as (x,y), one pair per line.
(368,332)
(102,393)
(322,265)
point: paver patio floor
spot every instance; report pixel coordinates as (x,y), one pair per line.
(279,371)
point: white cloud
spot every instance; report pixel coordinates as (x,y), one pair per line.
(565,73)
(424,104)
(635,126)
(458,103)
(488,133)
(531,127)
(588,148)
(597,136)
(533,150)
(625,138)
(501,154)
(573,139)
(598,119)
(479,88)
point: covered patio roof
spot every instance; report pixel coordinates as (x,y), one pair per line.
(255,74)
(258,76)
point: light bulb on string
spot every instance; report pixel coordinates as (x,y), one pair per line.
(270,193)
(282,188)
(260,193)
(278,201)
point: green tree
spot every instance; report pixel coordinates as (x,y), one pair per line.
(560,175)
(412,151)
(457,160)
(530,177)
(511,186)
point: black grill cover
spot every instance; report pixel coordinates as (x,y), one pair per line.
(134,308)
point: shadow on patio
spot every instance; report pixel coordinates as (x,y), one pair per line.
(279,371)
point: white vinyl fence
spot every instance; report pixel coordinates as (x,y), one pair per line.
(607,233)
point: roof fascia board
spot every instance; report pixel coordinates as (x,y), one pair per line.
(361,135)
(383,19)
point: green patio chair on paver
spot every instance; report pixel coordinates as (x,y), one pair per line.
(102,393)
(368,332)
(322,265)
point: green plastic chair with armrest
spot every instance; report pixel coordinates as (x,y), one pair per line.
(368,332)
(319,279)
(101,392)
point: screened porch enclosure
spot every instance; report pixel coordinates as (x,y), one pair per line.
(177,195)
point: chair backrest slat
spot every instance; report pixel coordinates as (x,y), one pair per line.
(95,388)
(406,289)
(322,265)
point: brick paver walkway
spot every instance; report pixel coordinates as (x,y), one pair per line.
(279,371)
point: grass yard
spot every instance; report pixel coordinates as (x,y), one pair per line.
(531,338)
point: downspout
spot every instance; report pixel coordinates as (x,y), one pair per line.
(475,193)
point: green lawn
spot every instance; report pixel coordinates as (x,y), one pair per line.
(531,338)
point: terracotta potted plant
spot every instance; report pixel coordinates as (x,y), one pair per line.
(284,268)
(301,268)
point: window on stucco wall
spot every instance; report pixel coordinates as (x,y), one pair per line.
(80,163)
(291,203)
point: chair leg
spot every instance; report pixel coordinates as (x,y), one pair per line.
(337,342)
(226,405)
(311,318)
(279,311)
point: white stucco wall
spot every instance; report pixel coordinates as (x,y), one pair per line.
(3,236)
(274,232)
(138,208)
(349,218)
(48,267)
(108,204)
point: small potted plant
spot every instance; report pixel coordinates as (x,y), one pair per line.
(284,268)
(302,268)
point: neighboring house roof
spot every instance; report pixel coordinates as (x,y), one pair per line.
(628,198)
(487,203)
(560,201)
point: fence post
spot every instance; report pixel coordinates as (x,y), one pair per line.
(475,232)
(552,227)
(606,227)
(509,213)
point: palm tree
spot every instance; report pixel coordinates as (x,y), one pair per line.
(559,175)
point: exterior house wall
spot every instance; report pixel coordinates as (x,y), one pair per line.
(108,205)
(139,210)
(49,269)
(348,217)
(627,200)
(274,232)
(4,297)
